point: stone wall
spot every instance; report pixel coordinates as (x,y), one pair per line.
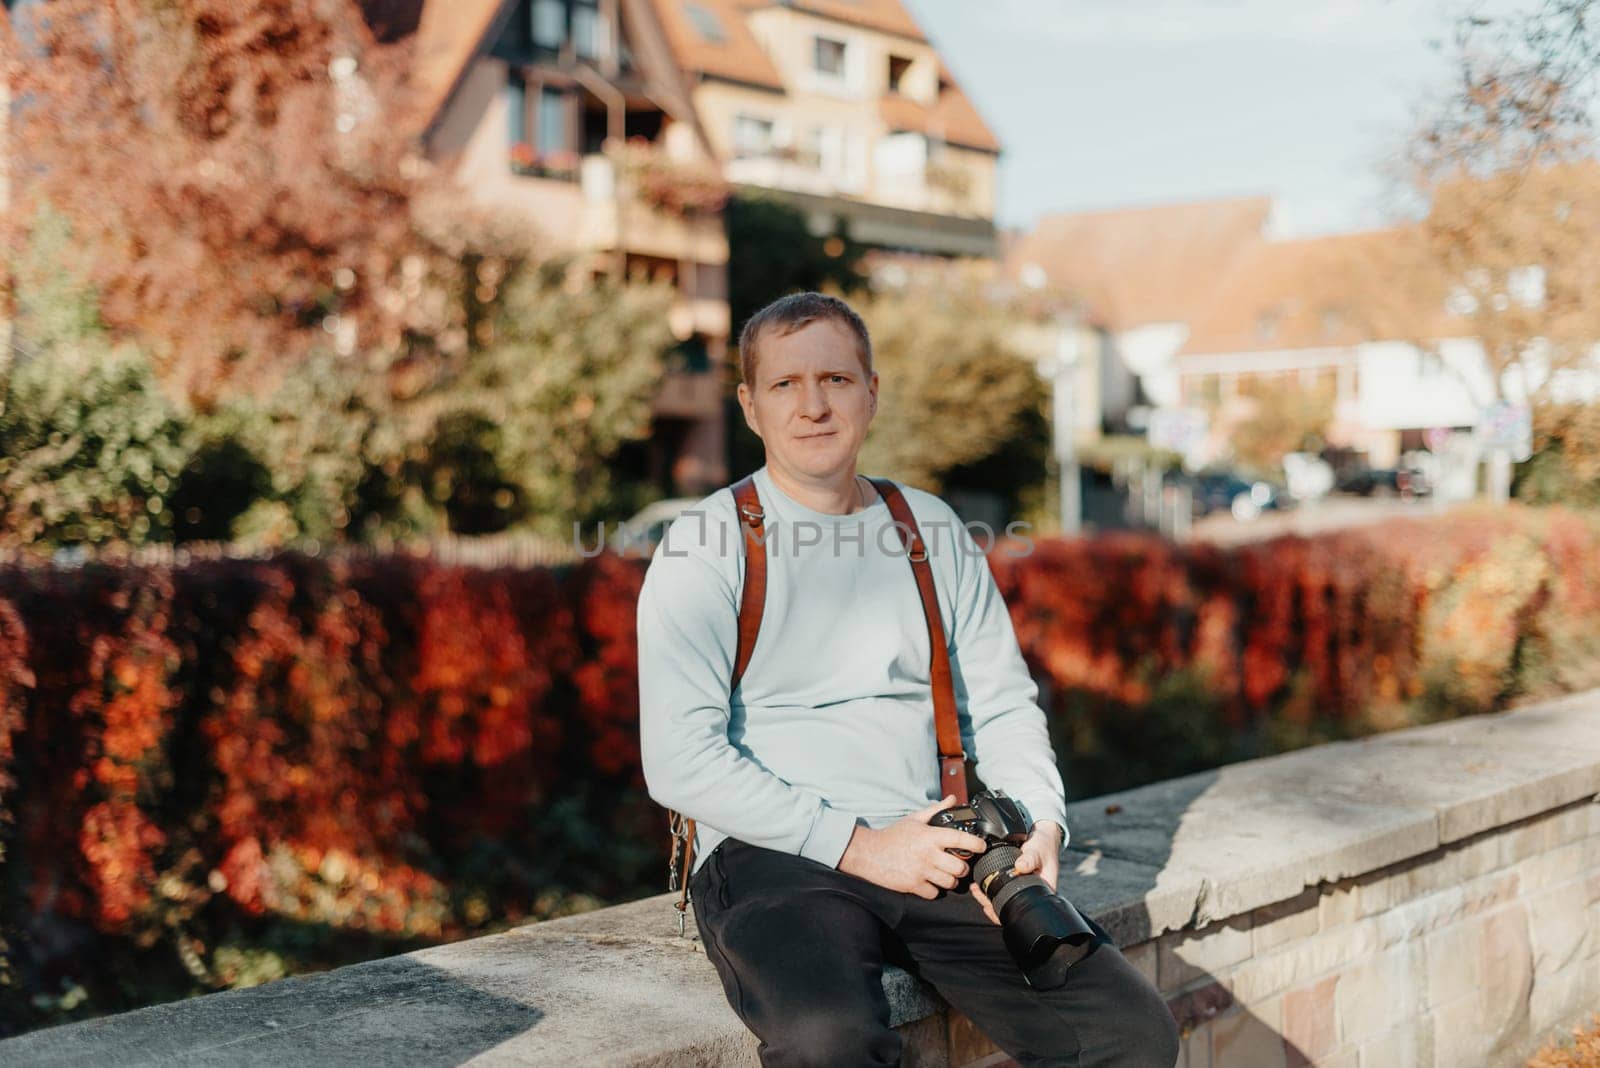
(1428,898)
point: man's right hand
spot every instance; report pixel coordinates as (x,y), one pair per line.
(909,855)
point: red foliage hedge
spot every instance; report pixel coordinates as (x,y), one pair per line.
(412,750)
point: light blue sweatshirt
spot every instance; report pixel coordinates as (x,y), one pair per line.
(832,723)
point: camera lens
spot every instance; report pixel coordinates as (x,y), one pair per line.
(1045,934)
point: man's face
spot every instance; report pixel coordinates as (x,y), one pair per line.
(812,400)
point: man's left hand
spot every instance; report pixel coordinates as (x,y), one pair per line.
(1041,854)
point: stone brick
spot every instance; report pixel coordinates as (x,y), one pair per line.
(1380,992)
(1310,1028)
(1457,1038)
(1197,1007)
(1478,856)
(1299,962)
(1249,1039)
(1197,1049)
(1337,905)
(1560,999)
(1285,921)
(1412,920)
(1556,866)
(1495,955)
(1452,956)
(1377,893)
(1345,1058)
(1558,926)
(1526,841)
(1405,1046)
(1571,824)
(1188,956)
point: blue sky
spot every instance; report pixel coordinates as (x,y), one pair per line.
(1104,103)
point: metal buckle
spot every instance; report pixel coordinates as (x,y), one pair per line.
(678,827)
(753,511)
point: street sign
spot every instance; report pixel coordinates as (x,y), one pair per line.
(1177,429)
(1503,426)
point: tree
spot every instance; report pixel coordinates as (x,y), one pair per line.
(955,391)
(1508,251)
(237,175)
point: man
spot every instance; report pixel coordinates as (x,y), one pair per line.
(813,780)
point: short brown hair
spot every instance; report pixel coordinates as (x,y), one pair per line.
(787,314)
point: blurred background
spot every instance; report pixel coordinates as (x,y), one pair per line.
(354,352)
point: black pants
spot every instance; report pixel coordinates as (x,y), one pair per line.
(800,948)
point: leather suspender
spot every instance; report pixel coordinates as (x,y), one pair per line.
(952,759)
(752,520)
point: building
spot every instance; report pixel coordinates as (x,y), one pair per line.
(844,109)
(1131,281)
(574,114)
(1204,305)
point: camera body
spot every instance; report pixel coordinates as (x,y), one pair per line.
(990,815)
(1045,934)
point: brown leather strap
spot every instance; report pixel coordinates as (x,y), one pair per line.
(952,758)
(752,528)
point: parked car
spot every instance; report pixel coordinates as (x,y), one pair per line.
(1214,491)
(1406,480)
(639,534)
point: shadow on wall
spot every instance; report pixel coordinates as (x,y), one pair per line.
(1119,868)
(395,1011)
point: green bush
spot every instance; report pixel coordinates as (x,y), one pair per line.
(90,448)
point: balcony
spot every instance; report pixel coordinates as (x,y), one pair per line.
(638,200)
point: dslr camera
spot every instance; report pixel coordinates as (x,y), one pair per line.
(1045,934)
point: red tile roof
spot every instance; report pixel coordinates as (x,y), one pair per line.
(738,56)
(1135,266)
(889,16)
(1319,292)
(951,117)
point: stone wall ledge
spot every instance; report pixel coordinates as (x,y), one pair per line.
(619,987)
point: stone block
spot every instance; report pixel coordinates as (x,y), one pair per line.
(1183,957)
(1285,921)
(1338,904)
(1197,1049)
(1458,1038)
(1493,1010)
(1195,1008)
(1562,999)
(1259,978)
(1555,866)
(1558,926)
(1310,1022)
(1250,1038)
(1406,1046)
(1379,992)
(1453,956)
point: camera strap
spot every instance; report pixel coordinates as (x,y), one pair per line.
(752,601)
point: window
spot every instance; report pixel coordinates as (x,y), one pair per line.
(1525,285)
(752,136)
(897,71)
(516,109)
(549,24)
(706,23)
(552,120)
(828,57)
(586,32)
